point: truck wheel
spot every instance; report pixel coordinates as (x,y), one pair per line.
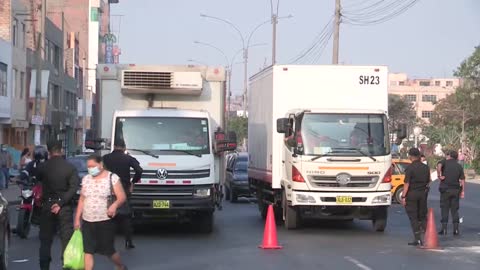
(227,193)
(262,206)
(398,194)
(233,196)
(379,220)
(290,215)
(205,222)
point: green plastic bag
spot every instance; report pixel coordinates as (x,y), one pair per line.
(73,257)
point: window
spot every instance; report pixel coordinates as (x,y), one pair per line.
(54,95)
(437,83)
(449,83)
(22,84)
(411,98)
(3,79)
(24,32)
(402,83)
(424,83)
(427,114)
(56,57)
(15,83)
(429,98)
(14,32)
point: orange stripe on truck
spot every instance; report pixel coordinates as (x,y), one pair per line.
(162,164)
(345,168)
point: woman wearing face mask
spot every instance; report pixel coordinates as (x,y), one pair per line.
(98,228)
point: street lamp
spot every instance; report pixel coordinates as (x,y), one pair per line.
(246,44)
(416,132)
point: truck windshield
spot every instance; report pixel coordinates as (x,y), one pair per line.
(344,134)
(164,135)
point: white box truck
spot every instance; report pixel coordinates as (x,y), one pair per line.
(171,119)
(319,143)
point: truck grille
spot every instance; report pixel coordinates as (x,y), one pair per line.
(162,190)
(147,79)
(355,181)
(177,174)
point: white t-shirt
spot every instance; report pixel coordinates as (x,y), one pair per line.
(96,193)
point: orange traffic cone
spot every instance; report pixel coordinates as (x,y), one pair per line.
(270,233)
(431,236)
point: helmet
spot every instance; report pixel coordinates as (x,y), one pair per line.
(40,153)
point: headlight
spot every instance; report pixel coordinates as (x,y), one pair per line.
(301,198)
(202,192)
(27,193)
(382,199)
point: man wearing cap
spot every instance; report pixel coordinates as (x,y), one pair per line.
(120,163)
(452,188)
(414,197)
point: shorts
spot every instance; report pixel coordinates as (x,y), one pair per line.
(99,237)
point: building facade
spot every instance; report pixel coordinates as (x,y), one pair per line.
(423,93)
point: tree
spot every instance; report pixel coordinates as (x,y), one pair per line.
(239,125)
(400,111)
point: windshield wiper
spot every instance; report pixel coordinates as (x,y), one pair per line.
(183,151)
(320,156)
(146,152)
(357,150)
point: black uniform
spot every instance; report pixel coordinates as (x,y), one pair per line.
(450,189)
(120,163)
(417,175)
(59,182)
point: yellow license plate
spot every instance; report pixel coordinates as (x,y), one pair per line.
(160,204)
(344,200)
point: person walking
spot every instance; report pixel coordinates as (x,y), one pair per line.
(25,158)
(414,197)
(5,164)
(101,196)
(59,182)
(120,163)
(452,188)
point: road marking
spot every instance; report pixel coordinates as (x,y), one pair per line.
(357,263)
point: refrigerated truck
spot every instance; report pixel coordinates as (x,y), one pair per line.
(318,142)
(171,119)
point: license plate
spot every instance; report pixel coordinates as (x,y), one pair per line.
(344,200)
(161,204)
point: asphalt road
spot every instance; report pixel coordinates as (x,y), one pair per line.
(320,245)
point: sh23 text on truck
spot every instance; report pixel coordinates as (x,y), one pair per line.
(319,143)
(172,120)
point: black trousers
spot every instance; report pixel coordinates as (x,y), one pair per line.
(124,219)
(416,208)
(49,223)
(450,202)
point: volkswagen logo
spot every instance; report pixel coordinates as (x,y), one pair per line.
(343,179)
(162,174)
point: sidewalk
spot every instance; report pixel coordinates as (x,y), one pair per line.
(12,194)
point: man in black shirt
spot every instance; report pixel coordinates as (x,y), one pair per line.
(59,182)
(120,163)
(452,188)
(417,182)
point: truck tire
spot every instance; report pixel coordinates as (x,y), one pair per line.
(379,220)
(398,194)
(262,206)
(291,216)
(233,196)
(205,222)
(227,193)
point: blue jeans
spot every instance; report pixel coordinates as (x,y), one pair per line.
(4,177)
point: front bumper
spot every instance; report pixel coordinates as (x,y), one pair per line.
(309,198)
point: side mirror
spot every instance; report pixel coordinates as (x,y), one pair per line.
(401,132)
(283,125)
(97,144)
(225,144)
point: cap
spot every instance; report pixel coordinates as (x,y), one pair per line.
(414,152)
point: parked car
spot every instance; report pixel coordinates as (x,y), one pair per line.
(398,177)
(236,180)
(4,233)
(80,162)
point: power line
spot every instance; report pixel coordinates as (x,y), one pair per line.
(380,15)
(315,44)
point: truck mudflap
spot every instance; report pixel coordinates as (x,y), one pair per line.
(340,199)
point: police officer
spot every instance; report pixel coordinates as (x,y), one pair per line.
(40,155)
(452,188)
(60,183)
(414,197)
(120,163)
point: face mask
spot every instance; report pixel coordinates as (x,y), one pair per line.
(94,171)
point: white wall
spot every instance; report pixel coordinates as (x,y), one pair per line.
(6,102)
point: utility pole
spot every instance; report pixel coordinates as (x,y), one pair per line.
(245,79)
(84,104)
(38,86)
(336,33)
(274,37)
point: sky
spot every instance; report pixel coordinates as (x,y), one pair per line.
(429,40)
